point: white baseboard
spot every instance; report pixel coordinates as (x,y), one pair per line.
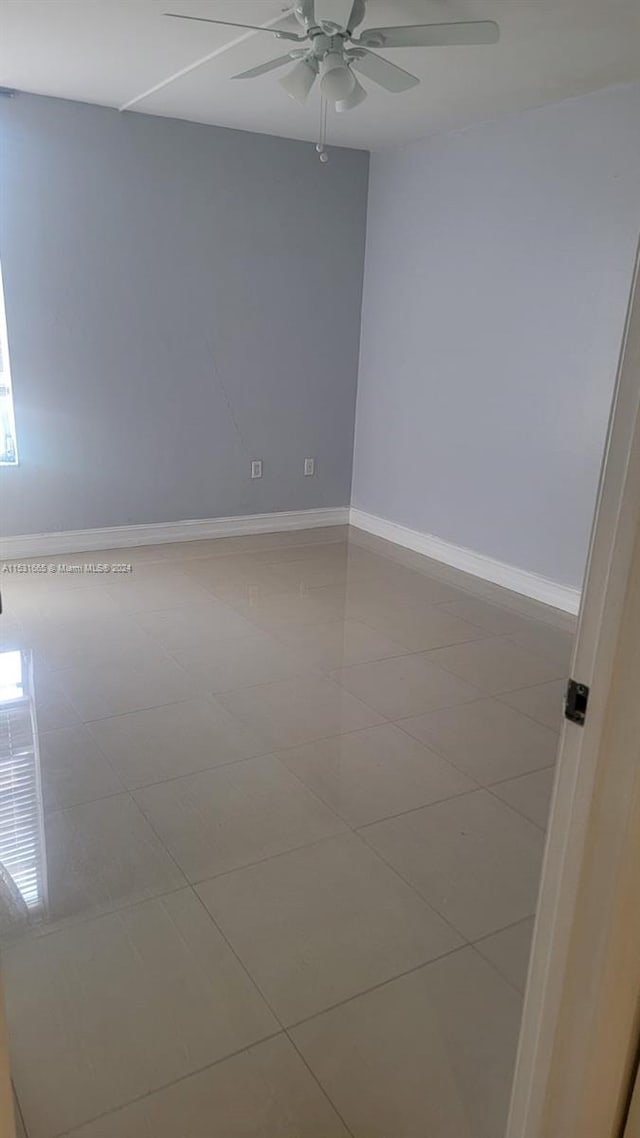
(124,537)
(498,572)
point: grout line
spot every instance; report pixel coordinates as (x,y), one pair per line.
(523,774)
(478,943)
(514,809)
(74,922)
(192,773)
(120,714)
(18,1109)
(494,967)
(501,699)
(315,1078)
(347,825)
(268,1003)
(49,812)
(452,762)
(398,874)
(503,929)
(399,813)
(168,1086)
(273,857)
(375,987)
(232,950)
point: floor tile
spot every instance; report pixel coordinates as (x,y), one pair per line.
(194,625)
(421,627)
(52,603)
(498,619)
(286,608)
(495,665)
(265,1092)
(74,769)
(509,952)
(88,1010)
(218,820)
(486,739)
(257,659)
(408,685)
(88,641)
(316,926)
(475,860)
(313,573)
(53,709)
(293,712)
(372,774)
(545,703)
(179,739)
(430,1054)
(555,644)
(155,587)
(529,795)
(340,643)
(31,599)
(395,588)
(132,684)
(239,577)
(103,855)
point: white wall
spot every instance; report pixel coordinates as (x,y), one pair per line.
(165,289)
(498,265)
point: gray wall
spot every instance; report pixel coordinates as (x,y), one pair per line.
(146,261)
(498,266)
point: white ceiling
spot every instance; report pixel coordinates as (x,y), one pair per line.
(113,51)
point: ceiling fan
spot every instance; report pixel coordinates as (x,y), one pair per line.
(333,52)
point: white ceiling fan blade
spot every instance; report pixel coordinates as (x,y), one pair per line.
(263,68)
(357,15)
(229,24)
(299,81)
(336,12)
(382,71)
(432,35)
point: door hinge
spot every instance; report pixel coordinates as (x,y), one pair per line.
(575,702)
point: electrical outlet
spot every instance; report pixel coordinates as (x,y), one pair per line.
(256,468)
(309,466)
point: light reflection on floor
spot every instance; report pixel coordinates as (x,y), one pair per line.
(23,863)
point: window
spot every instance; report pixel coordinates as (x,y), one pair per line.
(8,445)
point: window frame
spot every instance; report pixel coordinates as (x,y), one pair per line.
(5,382)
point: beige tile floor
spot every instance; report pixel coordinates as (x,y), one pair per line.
(280,839)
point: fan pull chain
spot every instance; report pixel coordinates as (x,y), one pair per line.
(322,138)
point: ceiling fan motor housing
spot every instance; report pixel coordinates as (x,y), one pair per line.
(305,14)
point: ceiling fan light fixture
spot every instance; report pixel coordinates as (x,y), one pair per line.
(338,81)
(357,96)
(299,81)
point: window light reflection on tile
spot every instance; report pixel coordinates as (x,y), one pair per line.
(23,876)
(11,683)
